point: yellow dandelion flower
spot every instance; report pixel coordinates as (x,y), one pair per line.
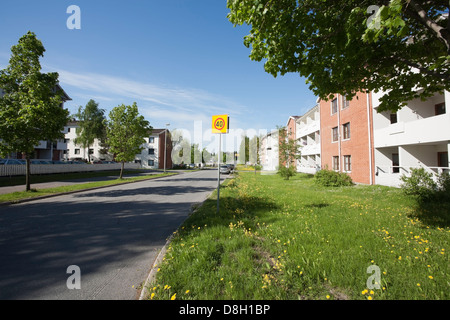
(431,277)
(369,298)
(328,297)
(418,284)
(187,291)
(173,297)
(152,295)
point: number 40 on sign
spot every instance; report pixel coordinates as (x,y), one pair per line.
(220,124)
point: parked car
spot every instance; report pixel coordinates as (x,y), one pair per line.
(11,162)
(225,169)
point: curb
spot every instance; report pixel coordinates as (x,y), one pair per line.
(78,191)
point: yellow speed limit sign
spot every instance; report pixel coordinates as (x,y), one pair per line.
(220,124)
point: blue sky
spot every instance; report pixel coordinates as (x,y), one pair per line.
(180,60)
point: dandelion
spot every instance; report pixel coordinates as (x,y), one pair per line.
(187,291)
(173,297)
(369,298)
(431,277)
(152,295)
(328,297)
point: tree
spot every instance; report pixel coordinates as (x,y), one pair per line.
(91,121)
(401,47)
(289,152)
(30,109)
(125,132)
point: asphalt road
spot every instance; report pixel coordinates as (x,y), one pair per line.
(112,234)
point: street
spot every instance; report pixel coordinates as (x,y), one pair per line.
(112,234)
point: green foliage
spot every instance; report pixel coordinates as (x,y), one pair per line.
(289,153)
(30,109)
(324,40)
(125,131)
(330,178)
(289,240)
(286,172)
(91,124)
(422,185)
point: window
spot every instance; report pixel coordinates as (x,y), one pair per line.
(151,140)
(151,151)
(345,102)
(335,134)
(334,106)
(393,118)
(91,151)
(346,130)
(151,163)
(395,163)
(443,159)
(439,108)
(348,163)
(77,151)
(335,163)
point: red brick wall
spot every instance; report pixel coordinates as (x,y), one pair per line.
(162,141)
(358,144)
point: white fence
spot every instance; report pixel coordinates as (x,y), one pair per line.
(18,170)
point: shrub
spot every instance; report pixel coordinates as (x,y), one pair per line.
(330,178)
(286,173)
(421,184)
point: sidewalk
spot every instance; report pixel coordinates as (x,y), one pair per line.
(54,184)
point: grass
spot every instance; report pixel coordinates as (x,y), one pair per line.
(21,195)
(278,239)
(20,180)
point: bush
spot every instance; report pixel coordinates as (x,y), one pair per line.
(330,178)
(421,184)
(286,173)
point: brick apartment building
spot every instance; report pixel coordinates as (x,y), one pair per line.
(347,136)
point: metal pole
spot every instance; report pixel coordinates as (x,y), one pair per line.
(218,173)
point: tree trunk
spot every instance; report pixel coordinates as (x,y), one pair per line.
(121,170)
(27,173)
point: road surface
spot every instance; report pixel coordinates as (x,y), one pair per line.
(112,234)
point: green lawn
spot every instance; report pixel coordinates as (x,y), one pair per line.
(278,239)
(21,195)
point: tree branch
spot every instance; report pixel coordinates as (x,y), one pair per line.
(441,33)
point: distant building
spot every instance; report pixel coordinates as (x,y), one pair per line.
(152,156)
(269,152)
(308,137)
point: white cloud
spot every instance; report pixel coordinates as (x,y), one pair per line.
(185,101)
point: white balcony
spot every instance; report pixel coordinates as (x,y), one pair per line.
(310,149)
(427,130)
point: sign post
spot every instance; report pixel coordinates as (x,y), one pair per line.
(220,125)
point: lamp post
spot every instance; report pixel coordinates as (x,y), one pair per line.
(165,146)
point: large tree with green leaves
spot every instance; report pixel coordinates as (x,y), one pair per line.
(401,47)
(30,109)
(125,133)
(91,124)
